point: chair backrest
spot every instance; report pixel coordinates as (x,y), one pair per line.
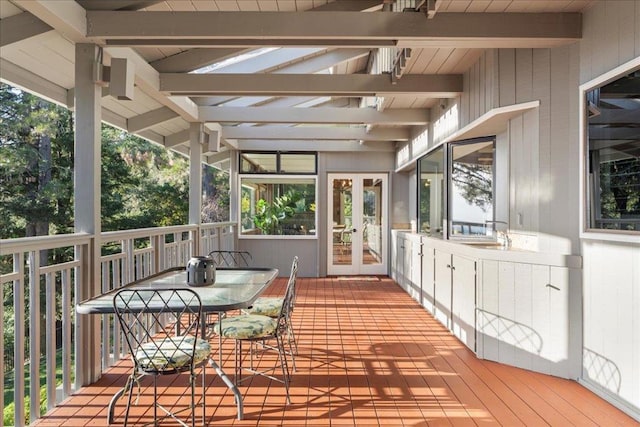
(289,297)
(161,327)
(231,258)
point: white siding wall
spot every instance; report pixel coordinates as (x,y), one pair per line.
(541,143)
(543,151)
(611,276)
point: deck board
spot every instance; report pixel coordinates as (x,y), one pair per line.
(368,356)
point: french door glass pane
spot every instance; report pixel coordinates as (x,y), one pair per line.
(371,221)
(342,221)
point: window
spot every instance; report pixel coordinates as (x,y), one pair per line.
(456,190)
(613,154)
(277,193)
(471,188)
(431,193)
(278,162)
(278,206)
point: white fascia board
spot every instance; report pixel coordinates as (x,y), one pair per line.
(318,115)
(433,85)
(316,133)
(262,28)
(21,78)
(21,27)
(65,16)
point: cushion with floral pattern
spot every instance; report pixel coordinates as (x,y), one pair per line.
(267,306)
(172,353)
(246,326)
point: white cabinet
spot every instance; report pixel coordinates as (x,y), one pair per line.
(463,302)
(455,295)
(413,266)
(442,291)
(407,253)
(524,317)
(427,281)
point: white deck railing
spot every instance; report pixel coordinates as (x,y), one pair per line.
(126,256)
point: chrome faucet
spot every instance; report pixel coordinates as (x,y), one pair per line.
(502,237)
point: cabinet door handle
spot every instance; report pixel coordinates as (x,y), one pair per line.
(549,285)
(453,267)
(448,265)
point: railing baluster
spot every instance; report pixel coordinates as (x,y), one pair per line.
(67,321)
(19,331)
(124,266)
(50,340)
(34,335)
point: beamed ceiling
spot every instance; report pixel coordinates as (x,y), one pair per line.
(274,74)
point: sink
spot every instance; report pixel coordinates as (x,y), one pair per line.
(480,244)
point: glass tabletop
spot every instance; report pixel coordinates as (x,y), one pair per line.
(233,288)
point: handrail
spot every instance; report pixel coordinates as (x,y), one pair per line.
(63,280)
(37,243)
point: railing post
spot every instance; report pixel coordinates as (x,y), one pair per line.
(34,335)
(19,331)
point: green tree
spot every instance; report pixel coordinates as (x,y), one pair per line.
(36,163)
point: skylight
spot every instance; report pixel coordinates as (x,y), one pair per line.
(233,60)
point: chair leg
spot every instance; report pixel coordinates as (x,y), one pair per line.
(283,363)
(128,385)
(155,400)
(192,383)
(204,396)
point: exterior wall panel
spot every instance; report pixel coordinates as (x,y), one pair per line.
(611,277)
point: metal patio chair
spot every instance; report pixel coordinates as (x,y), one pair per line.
(162,330)
(260,329)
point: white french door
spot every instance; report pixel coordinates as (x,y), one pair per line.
(357,224)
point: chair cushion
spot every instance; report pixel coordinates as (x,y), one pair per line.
(267,306)
(172,353)
(246,326)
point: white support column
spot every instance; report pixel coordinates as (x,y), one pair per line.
(234,196)
(88,96)
(195,173)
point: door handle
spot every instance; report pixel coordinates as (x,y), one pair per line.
(354,230)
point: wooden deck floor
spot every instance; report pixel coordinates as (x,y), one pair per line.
(369,356)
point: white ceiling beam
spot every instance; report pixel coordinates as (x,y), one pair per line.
(319,115)
(439,85)
(324,61)
(313,145)
(317,133)
(303,28)
(194,59)
(150,118)
(177,138)
(148,80)
(349,6)
(218,157)
(220,43)
(267,61)
(117,4)
(311,65)
(21,27)
(66,16)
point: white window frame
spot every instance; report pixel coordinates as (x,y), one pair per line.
(283,178)
(585,231)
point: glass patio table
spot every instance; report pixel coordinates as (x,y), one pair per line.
(234,288)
